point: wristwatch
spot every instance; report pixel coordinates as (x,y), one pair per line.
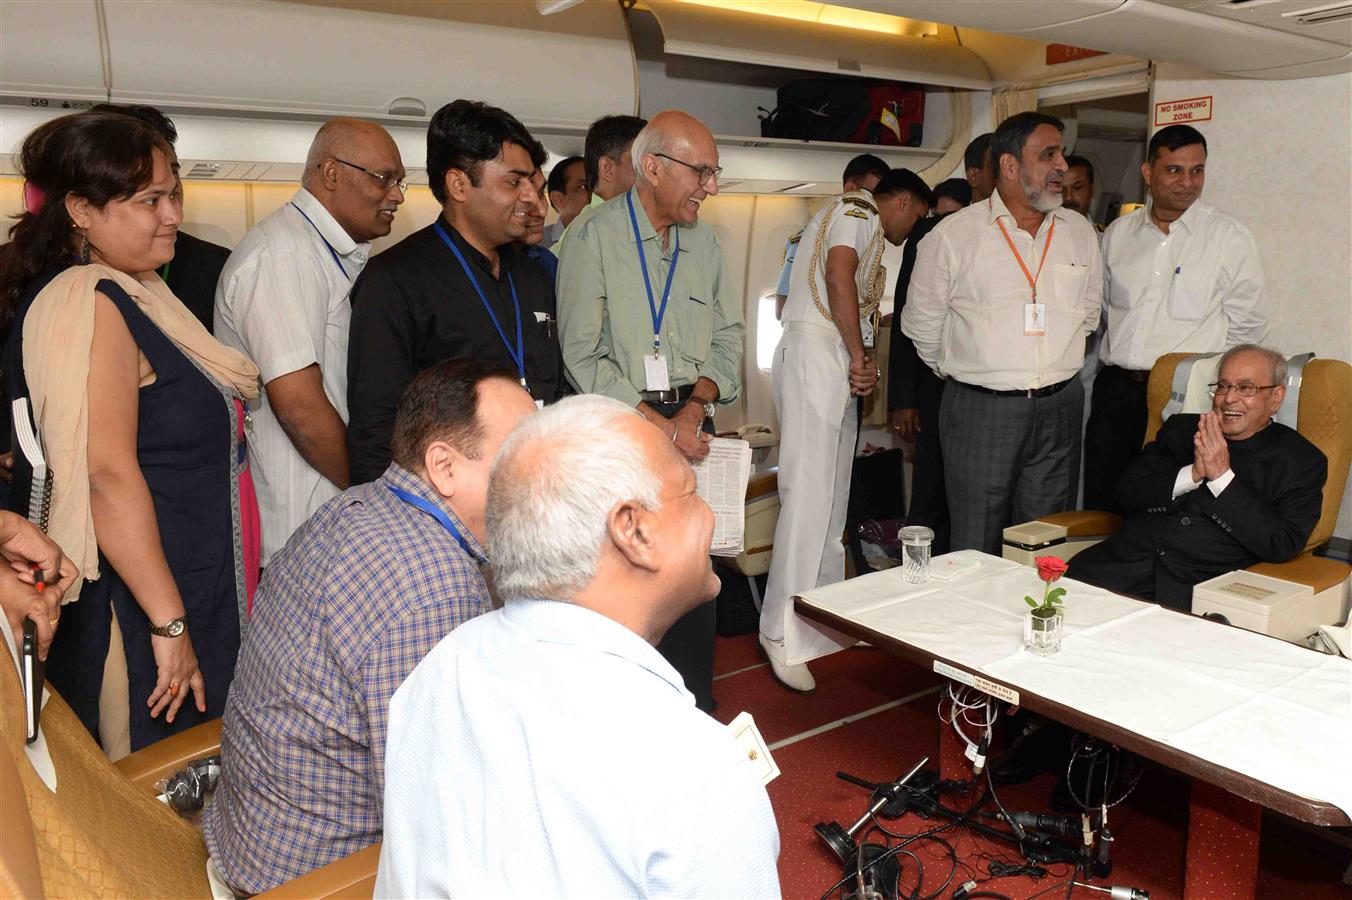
(172,628)
(709,411)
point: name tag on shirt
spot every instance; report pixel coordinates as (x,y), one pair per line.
(1035,319)
(748,737)
(655,374)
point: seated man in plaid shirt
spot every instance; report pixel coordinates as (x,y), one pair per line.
(358,596)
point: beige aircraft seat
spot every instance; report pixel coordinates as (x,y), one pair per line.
(762,514)
(102,832)
(1322,411)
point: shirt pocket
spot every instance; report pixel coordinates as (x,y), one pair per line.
(696,328)
(1187,299)
(1069,283)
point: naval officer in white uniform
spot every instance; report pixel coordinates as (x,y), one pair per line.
(820,366)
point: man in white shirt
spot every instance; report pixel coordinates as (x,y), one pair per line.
(283,300)
(1003,295)
(1181,276)
(820,367)
(546,748)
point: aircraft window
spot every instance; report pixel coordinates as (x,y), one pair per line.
(768,331)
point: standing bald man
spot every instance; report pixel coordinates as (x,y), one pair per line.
(646,315)
(283,300)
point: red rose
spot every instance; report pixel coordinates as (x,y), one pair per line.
(1050,568)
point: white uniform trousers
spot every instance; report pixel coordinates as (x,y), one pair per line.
(818,427)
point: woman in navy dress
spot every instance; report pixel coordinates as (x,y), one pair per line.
(140,413)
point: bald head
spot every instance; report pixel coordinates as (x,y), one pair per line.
(353,169)
(676,167)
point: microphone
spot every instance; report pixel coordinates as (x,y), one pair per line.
(1117,891)
(1062,826)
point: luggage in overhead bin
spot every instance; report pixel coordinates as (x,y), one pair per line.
(848,110)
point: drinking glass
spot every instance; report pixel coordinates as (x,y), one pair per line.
(915,543)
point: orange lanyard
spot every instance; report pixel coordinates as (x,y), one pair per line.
(1032,279)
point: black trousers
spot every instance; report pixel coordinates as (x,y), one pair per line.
(1113,435)
(689,645)
(1132,564)
(929,503)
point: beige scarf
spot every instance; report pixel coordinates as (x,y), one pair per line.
(58,333)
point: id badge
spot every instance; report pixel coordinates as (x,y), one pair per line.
(1035,319)
(655,373)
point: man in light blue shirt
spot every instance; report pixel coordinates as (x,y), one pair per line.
(547,748)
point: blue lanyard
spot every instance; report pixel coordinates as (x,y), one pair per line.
(337,260)
(657,314)
(519,357)
(436,513)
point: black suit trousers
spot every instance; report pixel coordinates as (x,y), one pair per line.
(1113,436)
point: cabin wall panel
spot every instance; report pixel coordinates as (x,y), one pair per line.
(1278,161)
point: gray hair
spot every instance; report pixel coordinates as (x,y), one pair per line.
(650,140)
(554,483)
(1276,361)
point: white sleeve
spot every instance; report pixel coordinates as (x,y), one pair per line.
(280,306)
(1217,485)
(850,230)
(1184,484)
(928,298)
(1245,302)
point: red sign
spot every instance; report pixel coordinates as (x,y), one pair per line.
(1064,53)
(1174,112)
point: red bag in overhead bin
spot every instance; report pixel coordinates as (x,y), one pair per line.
(848,110)
(896,117)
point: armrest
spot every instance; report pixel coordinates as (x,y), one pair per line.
(350,878)
(763,485)
(163,758)
(1085,522)
(1316,571)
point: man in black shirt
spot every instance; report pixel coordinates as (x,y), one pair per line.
(456,288)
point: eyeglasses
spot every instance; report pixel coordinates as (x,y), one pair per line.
(1223,389)
(385,181)
(704,172)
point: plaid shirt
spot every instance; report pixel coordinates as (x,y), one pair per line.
(358,596)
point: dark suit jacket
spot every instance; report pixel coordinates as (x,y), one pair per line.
(193,273)
(1265,514)
(905,372)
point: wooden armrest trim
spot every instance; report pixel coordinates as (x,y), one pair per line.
(352,878)
(763,485)
(164,758)
(1085,522)
(1316,571)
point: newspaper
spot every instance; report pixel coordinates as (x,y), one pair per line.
(721,479)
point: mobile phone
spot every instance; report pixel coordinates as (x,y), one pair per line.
(33,675)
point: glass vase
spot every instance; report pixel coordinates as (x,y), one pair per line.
(1042,634)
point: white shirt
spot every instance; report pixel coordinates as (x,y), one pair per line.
(283,300)
(853,226)
(966,305)
(545,750)
(1198,289)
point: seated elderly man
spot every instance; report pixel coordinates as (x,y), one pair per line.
(547,748)
(359,594)
(1213,493)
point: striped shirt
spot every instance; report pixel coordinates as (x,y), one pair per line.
(358,596)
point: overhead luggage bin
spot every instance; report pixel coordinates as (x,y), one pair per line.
(46,73)
(390,61)
(711,32)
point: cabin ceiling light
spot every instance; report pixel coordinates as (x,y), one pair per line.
(826,14)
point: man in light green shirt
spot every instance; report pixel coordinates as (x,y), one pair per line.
(607,310)
(669,344)
(607,165)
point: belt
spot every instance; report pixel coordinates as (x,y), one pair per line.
(1140,376)
(1030,393)
(675,395)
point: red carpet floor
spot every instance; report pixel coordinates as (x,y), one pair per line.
(881,739)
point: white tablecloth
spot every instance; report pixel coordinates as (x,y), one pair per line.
(1268,709)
